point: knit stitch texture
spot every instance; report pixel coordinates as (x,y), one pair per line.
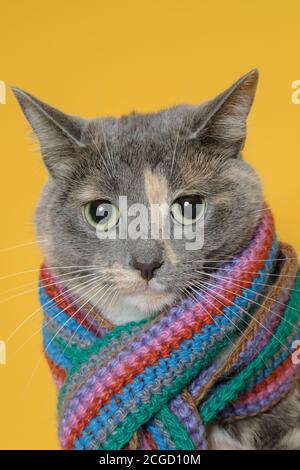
(158,384)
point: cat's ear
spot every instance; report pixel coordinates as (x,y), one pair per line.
(59,134)
(221,122)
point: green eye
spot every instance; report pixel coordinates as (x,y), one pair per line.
(101,214)
(187,210)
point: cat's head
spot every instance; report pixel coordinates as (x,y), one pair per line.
(185,156)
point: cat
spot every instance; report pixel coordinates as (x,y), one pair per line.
(184,156)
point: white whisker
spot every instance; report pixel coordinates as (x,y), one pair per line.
(261,294)
(47,269)
(21,245)
(247,313)
(27,319)
(53,338)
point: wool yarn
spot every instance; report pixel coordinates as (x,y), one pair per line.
(224,353)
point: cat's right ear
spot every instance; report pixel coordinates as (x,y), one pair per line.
(221,123)
(59,134)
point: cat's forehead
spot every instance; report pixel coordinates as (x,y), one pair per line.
(147,176)
(132,156)
(149,157)
(130,149)
(147,136)
(143,125)
(146,157)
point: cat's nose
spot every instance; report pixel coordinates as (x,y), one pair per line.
(147,269)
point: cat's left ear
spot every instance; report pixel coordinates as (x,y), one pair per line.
(221,122)
(59,134)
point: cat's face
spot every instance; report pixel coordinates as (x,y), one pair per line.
(175,158)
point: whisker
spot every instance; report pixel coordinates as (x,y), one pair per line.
(27,319)
(229,260)
(222,365)
(256,292)
(21,245)
(174,151)
(211,293)
(47,269)
(216,270)
(102,319)
(53,338)
(75,302)
(99,153)
(261,210)
(222,313)
(207,312)
(259,283)
(77,288)
(254,272)
(29,291)
(247,313)
(87,314)
(112,163)
(35,281)
(206,263)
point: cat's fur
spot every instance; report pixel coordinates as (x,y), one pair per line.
(151,159)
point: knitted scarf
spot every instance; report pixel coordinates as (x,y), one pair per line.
(222,354)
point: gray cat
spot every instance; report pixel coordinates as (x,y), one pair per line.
(185,156)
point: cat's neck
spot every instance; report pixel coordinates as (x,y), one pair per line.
(123,311)
(135,307)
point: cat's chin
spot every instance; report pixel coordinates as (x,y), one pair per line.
(138,305)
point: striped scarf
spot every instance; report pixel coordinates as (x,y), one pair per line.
(158,384)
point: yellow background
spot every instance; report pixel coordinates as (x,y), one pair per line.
(108,57)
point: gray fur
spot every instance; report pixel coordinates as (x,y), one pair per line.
(111,160)
(195,149)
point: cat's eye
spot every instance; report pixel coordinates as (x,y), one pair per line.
(187,210)
(101,214)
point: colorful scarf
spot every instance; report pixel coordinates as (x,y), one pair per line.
(158,384)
